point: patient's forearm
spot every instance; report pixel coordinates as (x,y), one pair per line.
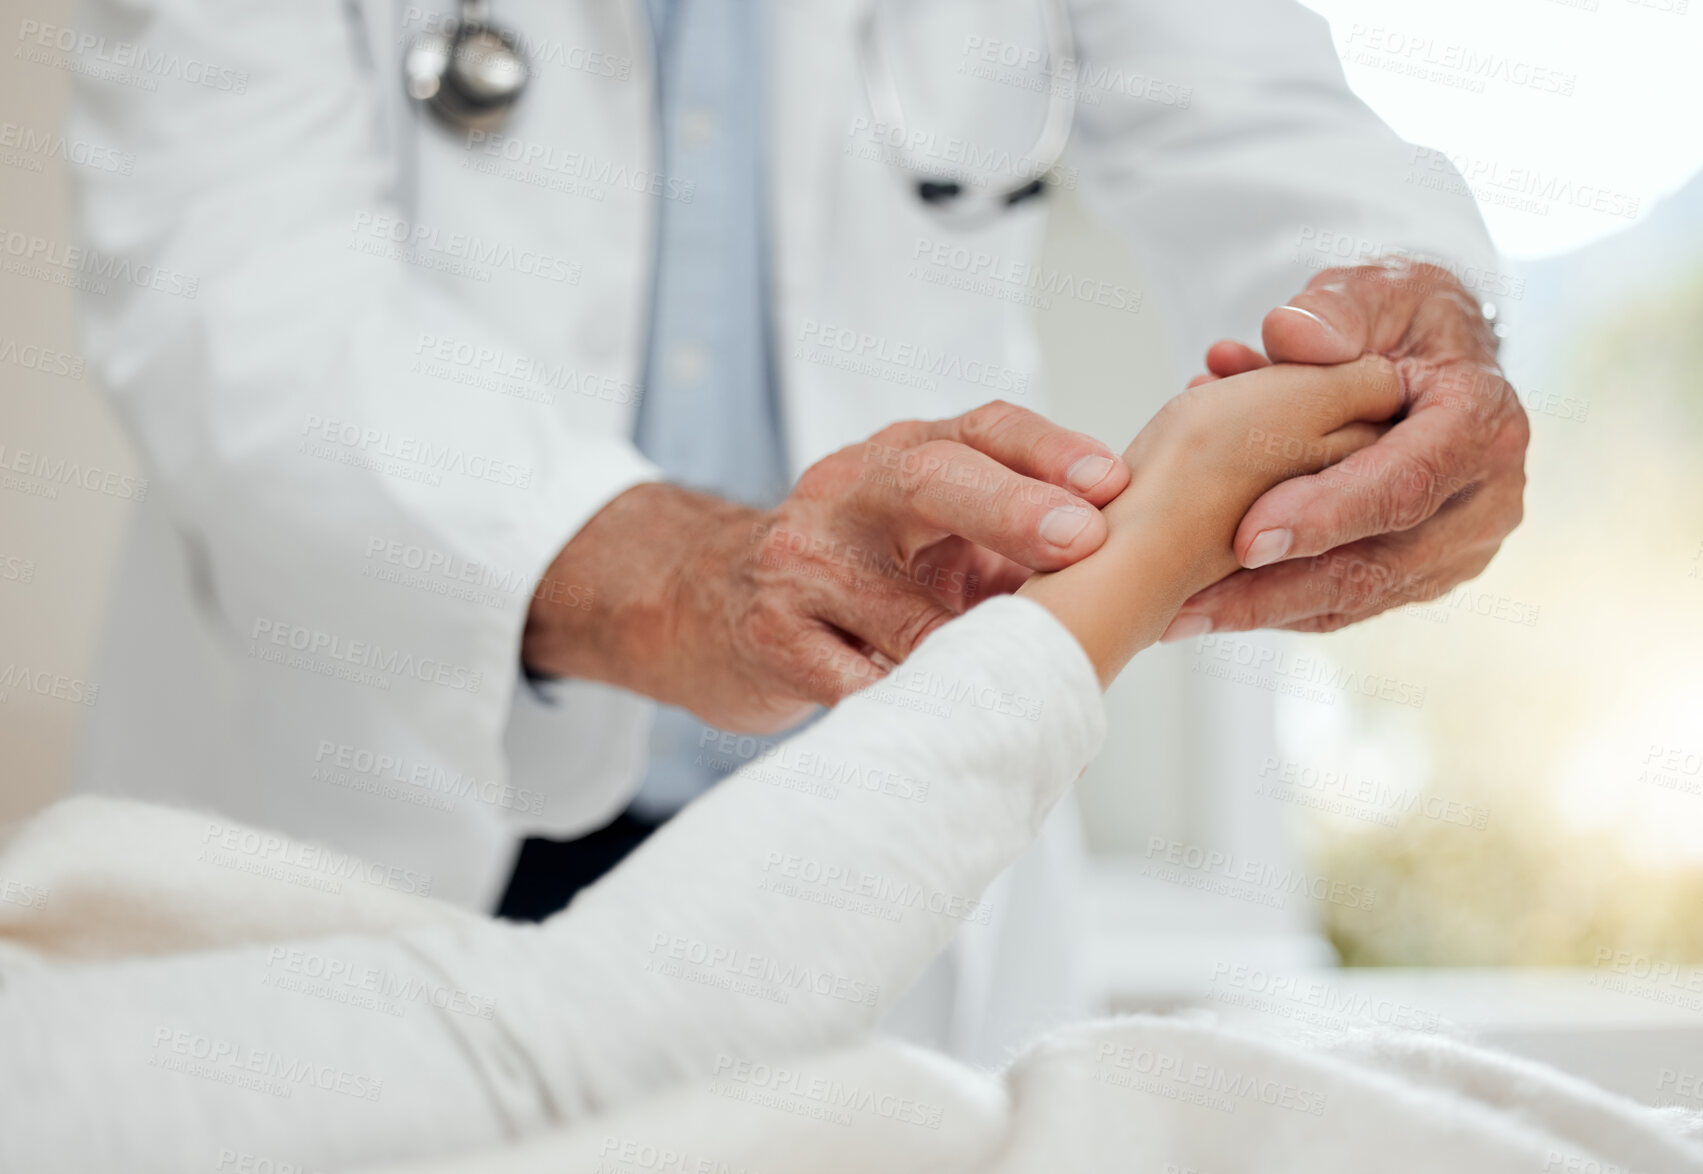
(720,937)
(720,941)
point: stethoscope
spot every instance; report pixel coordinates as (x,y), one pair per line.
(949,195)
(471,73)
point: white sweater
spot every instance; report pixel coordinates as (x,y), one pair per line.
(779,914)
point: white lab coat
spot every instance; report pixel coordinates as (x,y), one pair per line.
(313,427)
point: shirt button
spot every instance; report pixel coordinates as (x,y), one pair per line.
(687,363)
(697,128)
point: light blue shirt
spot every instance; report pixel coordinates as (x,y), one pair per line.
(708,415)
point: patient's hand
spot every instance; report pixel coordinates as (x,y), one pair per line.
(1199,464)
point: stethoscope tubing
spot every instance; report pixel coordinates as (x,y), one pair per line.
(429,73)
(947,193)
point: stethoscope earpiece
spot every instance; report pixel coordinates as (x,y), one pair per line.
(470,74)
(939,192)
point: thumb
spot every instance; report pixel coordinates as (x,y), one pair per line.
(1316,326)
(1343,313)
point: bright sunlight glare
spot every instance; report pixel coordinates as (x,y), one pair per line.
(1569,118)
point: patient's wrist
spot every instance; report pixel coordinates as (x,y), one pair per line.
(1121,598)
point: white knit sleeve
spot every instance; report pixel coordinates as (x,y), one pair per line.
(782,912)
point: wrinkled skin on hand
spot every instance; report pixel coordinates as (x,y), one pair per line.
(750,618)
(1413,515)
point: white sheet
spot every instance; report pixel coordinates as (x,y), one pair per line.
(578,1045)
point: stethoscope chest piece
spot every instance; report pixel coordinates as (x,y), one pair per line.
(469,73)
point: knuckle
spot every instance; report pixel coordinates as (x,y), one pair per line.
(1406,507)
(923,470)
(1475,565)
(1412,490)
(1515,513)
(816,481)
(837,475)
(898,435)
(1501,393)
(1502,511)
(1493,520)
(989,421)
(1513,435)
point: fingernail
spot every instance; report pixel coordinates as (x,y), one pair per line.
(1328,328)
(1267,547)
(1088,472)
(1186,626)
(1061,525)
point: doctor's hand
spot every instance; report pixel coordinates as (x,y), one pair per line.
(1414,514)
(750,618)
